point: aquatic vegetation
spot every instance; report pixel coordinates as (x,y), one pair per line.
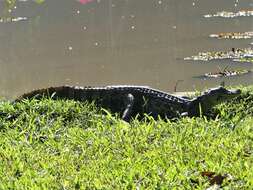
(233,35)
(39,1)
(244,59)
(227,14)
(12,19)
(227,73)
(85,1)
(234,53)
(13,2)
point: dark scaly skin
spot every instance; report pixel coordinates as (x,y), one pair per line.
(209,99)
(130,101)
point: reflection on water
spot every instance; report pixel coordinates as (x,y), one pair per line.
(104,42)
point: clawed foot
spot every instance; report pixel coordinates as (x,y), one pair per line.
(129,107)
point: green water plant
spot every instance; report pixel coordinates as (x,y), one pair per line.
(233,35)
(228,14)
(245,59)
(234,53)
(226,73)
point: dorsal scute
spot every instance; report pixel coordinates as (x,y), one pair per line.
(144,90)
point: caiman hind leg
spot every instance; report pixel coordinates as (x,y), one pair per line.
(126,116)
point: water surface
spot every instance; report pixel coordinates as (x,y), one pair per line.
(106,42)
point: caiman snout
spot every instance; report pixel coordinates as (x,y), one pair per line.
(216,95)
(230,93)
(221,91)
(210,98)
(235,91)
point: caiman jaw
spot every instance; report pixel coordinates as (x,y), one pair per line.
(222,92)
(235,92)
(211,98)
(232,93)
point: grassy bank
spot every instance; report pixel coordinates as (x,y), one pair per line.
(69,145)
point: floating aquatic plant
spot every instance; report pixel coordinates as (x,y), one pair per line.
(85,1)
(245,59)
(12,19)
(234,53)
(226,14)
(233,35)
(227,73)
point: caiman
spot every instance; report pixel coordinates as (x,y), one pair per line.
(132,101)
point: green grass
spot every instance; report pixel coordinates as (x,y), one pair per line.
(70,145)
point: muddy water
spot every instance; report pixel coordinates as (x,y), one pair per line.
(105,42)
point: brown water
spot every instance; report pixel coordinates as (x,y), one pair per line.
(105,42)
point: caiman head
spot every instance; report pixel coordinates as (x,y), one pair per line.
(208,99)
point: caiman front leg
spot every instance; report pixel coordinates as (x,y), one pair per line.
(129,107)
